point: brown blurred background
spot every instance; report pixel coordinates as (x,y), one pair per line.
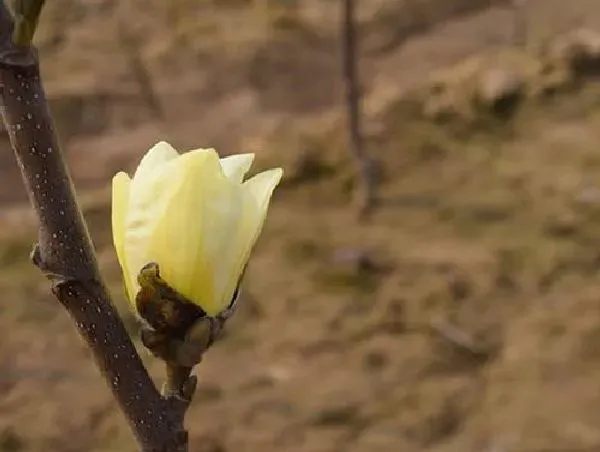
(464,316)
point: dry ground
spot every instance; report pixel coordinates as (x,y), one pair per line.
(464,316)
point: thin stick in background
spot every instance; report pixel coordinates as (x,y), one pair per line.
(520,31)
(130,45)
(366,167)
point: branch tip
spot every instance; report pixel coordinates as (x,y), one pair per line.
(27,13)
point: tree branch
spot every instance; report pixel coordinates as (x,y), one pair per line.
(27,13)
(130,45)
(366,166)
(65,252)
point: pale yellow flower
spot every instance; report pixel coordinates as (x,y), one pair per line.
(194,216)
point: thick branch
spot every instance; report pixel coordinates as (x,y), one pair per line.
(65,252)
(101,328)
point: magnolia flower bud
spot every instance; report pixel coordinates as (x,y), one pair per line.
(194,216)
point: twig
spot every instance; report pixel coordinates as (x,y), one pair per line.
(64,252)
(460,340)
(130,46)
(27,13)
(520,31)
(366,166)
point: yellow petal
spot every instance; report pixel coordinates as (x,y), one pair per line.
(259,189)
(236,249)
(120,204)
(262,185)
(151,166)
(243,234)
(157,156)
(189,238)
(236,166)
(150,197)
